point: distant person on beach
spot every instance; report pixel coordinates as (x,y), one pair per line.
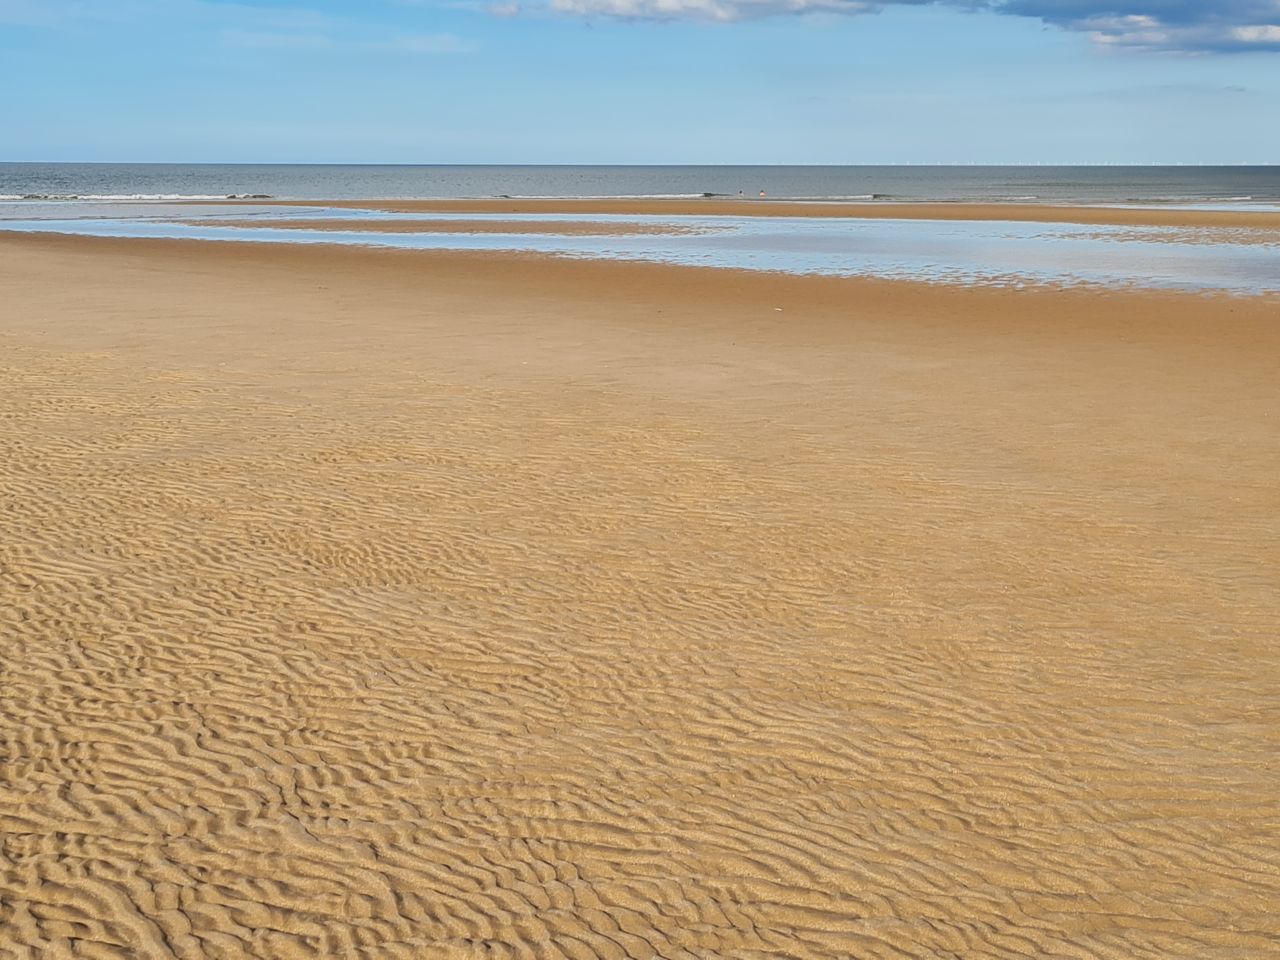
(761,194)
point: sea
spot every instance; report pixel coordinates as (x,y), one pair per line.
(1097,185)
(129,200)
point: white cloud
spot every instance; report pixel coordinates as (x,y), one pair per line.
(1195,26)
(1262,33)
(1190,26)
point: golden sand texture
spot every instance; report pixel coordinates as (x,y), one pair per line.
(1017,212)
(383,604)
(566,227)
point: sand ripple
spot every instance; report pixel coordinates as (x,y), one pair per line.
(453,671)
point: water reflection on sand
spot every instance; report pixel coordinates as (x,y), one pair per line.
(957,251)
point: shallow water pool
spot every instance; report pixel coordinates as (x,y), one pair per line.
(988,252)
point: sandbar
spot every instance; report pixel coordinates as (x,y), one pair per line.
(1016,212)
(560,227)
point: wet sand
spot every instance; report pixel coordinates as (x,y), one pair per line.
(554,228)
(1017,212)
(377,603)
(1269,237)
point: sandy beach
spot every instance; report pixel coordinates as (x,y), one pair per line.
(369,603)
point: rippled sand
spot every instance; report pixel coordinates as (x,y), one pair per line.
(380,604)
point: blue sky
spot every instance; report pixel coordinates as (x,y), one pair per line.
(642,81)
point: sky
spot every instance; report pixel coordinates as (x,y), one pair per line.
(641,81)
